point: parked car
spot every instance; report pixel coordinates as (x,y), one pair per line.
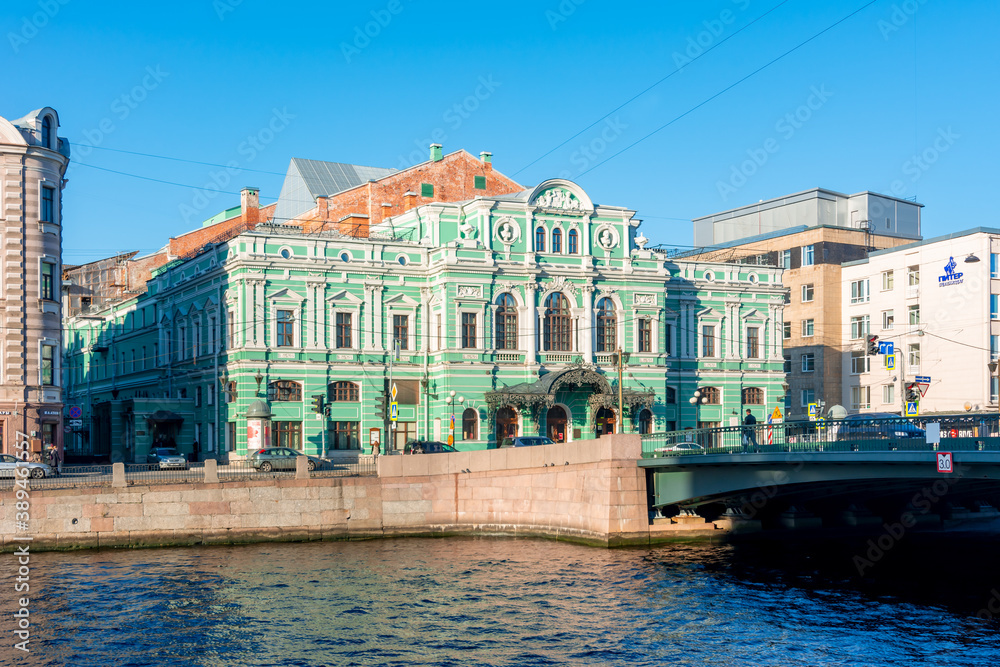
(877,426)
(36,470)
(682,447)
(280,458)
(427,447)
(167,457)
(526,441)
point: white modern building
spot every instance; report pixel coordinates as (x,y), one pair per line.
(938,302)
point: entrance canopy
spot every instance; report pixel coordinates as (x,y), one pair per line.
(542,392)
(162,416)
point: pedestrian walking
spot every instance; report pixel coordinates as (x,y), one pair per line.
(750,430)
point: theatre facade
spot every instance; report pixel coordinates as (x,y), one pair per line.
(504,315)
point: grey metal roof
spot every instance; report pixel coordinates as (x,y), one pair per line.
(308,179)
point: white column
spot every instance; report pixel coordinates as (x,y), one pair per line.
(425,319)
(240,316)
(366,320)
(259,313)
(531,318)
(379,318)
(588,324)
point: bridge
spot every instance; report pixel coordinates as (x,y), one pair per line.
(835,472)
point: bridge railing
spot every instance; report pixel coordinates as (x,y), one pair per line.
(958,432)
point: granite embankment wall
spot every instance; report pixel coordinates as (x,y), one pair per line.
(589,491)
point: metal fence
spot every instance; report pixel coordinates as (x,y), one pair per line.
(144,474)
(957,432)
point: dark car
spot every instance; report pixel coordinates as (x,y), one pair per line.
(167,457)
(280,458)
(877,426)
(527,441)
(427,447)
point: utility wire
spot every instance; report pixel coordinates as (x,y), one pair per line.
(177,159)
(728,88)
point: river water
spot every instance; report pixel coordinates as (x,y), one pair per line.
(495,601)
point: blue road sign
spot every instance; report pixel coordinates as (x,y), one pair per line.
(890,362)
(393,411)
(922,379)
(911,409)
(886,347)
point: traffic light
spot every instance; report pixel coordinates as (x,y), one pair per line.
(380,405)
(911,392)
(872,345)
(317,403)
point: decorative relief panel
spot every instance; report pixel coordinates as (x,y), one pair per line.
(607,237)
(470,291)
(644,299)
(508,231)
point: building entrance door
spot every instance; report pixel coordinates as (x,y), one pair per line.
(556,423)
(604,422)
(506,424)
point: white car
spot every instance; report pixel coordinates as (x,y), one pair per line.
(36,470)
(681,447)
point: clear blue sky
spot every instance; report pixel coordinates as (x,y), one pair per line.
(196,80)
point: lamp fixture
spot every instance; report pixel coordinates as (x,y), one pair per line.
(259,378)
(993,367)
(971,259)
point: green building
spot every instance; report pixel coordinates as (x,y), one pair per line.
(507,313)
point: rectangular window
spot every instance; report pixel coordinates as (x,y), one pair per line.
(211,334)
(753,343)
(401,330)
(995,306)
(913,276)
(344,435)
(197,396)
(808,255)
(859,362)
(286,434)
(994,265)
(994,347)
(230,436)
(285,326)
(785,261)
(667,347)
(861,398)
(888,394)
(808,396)
(808,328)
(342,327)
(888,280)
(426,190)
(860,327)
(479,182)
(708,341)
(994,389)
(48,281)
(787,366)
(859,291)
(914,313)
(645,335)
(786,330)
(48,365)
(808,363)
(888,319)
(913,355)
(48,204)
(469,330)
(807,293)
(231,330)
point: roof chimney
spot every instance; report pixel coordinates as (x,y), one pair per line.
(487,159)
(409,200)
(435,152)
(322,207)
(250,204)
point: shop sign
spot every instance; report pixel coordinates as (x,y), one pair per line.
(950,277)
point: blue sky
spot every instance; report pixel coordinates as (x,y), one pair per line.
(898,98)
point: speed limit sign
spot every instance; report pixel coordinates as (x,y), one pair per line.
(945,462)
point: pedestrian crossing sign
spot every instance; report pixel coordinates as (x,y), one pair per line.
(911,409)
(890,362)
(393,411)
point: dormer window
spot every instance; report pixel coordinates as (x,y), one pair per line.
(47,131)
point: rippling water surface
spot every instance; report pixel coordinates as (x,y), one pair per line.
(513,602)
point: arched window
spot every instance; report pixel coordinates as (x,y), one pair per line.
(47,132)
(572,242)
(558,327)
(506,323)
(540,239)
(645,422)
(556,240)
(753,396)
(343,391)
(607,325)
(711,395)
(284,390)
(470,424)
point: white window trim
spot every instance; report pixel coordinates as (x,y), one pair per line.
(355,312)
(411,327)
(717,337)
(274,305)
(478,312)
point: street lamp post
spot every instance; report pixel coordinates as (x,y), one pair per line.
(993,372)
(622,358)
(450,399)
